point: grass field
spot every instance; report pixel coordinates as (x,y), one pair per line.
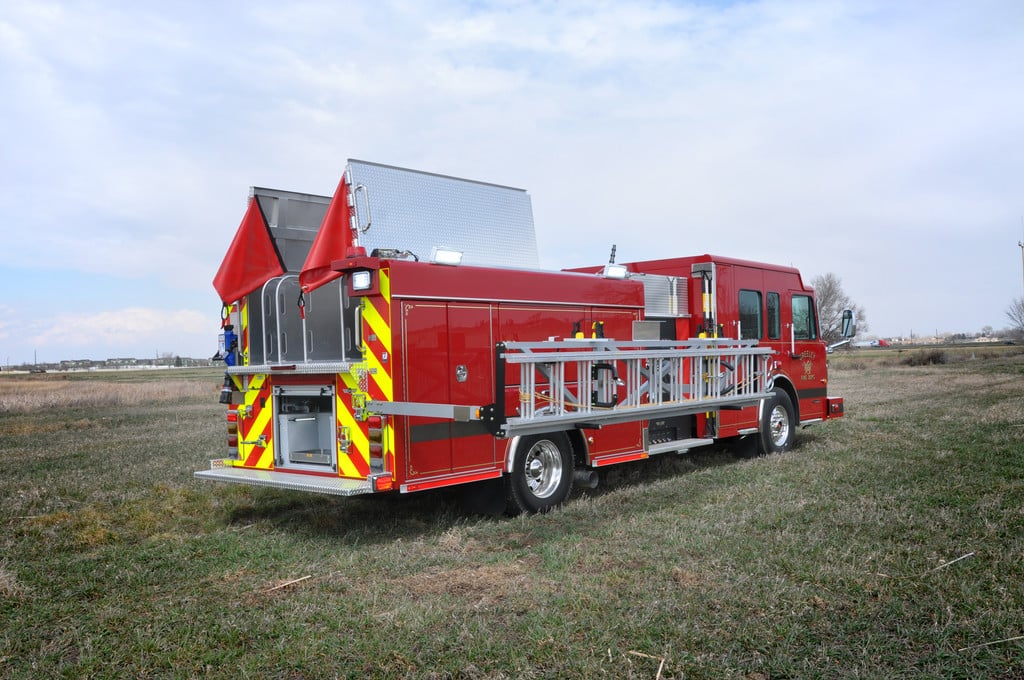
(889,544)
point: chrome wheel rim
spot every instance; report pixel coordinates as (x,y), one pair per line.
(543,469)
(778,426)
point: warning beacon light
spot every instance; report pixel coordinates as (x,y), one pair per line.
(446,256)
(615,271)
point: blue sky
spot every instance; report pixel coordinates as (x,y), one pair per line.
(880,141)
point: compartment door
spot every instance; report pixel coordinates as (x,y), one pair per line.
(471,380)
(428,448)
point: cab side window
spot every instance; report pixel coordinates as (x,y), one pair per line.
(774,316)
(750,315)
(804,327)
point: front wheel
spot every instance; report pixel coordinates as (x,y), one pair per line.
(778,423)
(542,473)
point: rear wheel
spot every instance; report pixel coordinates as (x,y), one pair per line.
(778,423)
(542,473)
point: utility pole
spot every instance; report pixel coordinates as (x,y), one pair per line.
(1021,244)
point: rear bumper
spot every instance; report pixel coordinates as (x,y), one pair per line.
(835,407)
(335,486)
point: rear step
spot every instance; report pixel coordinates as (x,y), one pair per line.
(335,486)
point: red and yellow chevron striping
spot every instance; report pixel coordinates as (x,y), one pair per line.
(353,443)
(376,316)
(255,434)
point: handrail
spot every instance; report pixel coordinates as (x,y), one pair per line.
(277,312)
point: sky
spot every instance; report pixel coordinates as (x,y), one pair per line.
(880,141)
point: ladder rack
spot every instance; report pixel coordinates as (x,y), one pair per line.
(569,384)
(588,383)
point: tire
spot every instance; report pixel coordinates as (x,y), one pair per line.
(778,424)
(542,474)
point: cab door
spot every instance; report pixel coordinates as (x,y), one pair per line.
(806,356)
(741,315)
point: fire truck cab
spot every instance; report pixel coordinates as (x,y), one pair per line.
(768,304)
(396,373)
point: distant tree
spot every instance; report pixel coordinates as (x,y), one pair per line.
(1015,313)
(832,300)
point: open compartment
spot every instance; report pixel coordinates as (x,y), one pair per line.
(306,433)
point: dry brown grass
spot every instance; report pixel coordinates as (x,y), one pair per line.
(483,584)
(25,396)
(10,587)
(845,558)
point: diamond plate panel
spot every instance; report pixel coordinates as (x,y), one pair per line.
(666,296)
(410,210)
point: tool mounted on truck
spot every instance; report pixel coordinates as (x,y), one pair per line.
(446,356)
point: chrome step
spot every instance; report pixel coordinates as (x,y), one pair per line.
(281,480)
(679,445)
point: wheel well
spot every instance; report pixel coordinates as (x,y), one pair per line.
(579,446)
(784,384)
(576,440)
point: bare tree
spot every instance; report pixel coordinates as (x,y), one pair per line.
(832,300)
(1015,313)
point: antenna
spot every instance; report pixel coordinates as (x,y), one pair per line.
(611,259)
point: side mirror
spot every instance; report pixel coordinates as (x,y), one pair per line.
(849,328)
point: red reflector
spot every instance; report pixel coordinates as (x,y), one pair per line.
(383,483)
(232,416)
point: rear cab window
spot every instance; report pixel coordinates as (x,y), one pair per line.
(750,315)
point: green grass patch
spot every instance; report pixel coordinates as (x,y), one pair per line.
(890,543)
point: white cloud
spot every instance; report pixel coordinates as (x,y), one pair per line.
(798,131)
(132,331)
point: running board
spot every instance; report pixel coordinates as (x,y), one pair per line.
(336,486)
(680,445)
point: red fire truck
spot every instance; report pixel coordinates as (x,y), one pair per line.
(356,367)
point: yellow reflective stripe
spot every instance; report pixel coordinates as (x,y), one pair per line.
(385,285)
(360,444)
(350,381)
(267,457)
(389,448)
(244,334)
(262,419)
(258,426)
(377,325)
(379,322)
(380,375)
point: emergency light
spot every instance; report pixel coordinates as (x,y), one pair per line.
(361,280)
(614,271)
(446,256)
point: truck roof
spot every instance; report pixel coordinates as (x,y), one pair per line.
(410,279)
